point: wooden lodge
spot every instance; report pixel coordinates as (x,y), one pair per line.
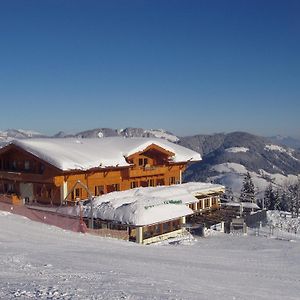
(46,170)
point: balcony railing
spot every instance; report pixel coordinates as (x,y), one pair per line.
(147,171)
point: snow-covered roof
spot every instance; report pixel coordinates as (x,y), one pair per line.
(244,204)
(149,205)
(203,188)
(83,154)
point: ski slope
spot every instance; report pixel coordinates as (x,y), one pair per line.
(38,261)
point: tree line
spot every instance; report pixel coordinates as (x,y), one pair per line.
(285,198)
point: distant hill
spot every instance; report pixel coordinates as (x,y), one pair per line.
(227,158)
(128,132)
(10,134)
(19,134)
(286,141)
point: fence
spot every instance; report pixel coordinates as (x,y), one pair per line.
(104,232)
(46,217)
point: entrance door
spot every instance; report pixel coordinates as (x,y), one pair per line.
(26,191)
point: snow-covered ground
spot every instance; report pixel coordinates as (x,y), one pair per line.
(44,262)
(284,226)
(278,148)
(237,149)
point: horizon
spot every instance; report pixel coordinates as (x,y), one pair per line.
(197,67)
(169,131)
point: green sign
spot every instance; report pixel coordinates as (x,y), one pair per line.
(165,202)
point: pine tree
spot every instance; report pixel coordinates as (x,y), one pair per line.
(284,201)
(276,200)
(273,201)
(269,198)
(248,189)
(294,201)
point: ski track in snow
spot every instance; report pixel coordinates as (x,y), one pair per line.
(44,262)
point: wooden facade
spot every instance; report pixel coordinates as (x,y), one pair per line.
(32,179)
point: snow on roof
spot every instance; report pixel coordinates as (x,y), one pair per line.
(82,154)
(244,204)
(203,188)
(149,205)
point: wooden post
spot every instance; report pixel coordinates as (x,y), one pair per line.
(139,234)
(63,191)
(222,226)
(182,221)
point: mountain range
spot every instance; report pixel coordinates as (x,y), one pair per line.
(226,157)
(92,133)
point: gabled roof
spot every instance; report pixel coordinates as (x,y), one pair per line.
(83,154)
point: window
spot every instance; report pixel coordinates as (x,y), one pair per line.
(76,193)
(116,187)
(157,229)
(133,184)
(113,187)
(99,190)
(199,205)
(143,161)
(14,165)
(41,168)
(26,165)
(150,182)
(160,181)
(176,225)
(144,183)
(172,180)
(206,203)
(166,227)
(214,201)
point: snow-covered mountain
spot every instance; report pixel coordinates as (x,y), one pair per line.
(10,134)
(286,141)
(228,157)
(19,134)
(128,132)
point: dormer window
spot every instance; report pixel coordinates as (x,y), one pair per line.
(41,168)
(26,165)
(143,162)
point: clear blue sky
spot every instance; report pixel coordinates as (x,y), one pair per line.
(186,66)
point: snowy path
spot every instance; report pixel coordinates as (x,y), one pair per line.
(40,261)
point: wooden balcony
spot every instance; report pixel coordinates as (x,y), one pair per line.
(27,177)
(148,171)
